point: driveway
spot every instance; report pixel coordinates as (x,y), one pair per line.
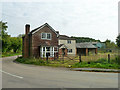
(16,75)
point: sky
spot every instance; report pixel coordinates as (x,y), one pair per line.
(96,19)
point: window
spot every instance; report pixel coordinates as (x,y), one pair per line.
(43,35)
(47,48)
(46,36)
(47,51)
(69,41)
(69,50)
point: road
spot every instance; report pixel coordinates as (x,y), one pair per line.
(16,75)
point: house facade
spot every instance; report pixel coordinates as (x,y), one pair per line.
(40,42)
(45,41)
(67,45)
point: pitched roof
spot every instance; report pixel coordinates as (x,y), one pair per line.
(37,29)
(85,45)
(64,37)
(62,46)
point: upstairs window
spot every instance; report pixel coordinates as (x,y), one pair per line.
(46,36)
(43,35)
(69,41)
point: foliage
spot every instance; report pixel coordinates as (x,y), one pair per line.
(118,40)
(31,61)
(100,63)
(16,44)
(7,54)
(9,44)
(84,39)
(110,44)
(3,27)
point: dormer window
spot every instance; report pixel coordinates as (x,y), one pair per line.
(46,36)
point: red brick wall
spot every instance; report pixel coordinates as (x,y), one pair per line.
(26,46)
(37,41)
(61,52)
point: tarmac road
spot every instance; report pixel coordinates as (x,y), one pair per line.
(16,75)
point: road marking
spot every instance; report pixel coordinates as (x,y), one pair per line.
(11,74)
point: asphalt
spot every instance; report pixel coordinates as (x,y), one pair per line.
(16,75)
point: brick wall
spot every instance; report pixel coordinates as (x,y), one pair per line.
(37,41)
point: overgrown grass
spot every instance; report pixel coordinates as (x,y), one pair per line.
(100,63)
(31,61)
(11,54)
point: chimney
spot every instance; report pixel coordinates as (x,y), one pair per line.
(27,29)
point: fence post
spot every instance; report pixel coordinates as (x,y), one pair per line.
(63,56)
(80,58)
(108,58)
(47,57)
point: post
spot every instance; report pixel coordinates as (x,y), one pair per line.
(108,58)
(86,51)
(63,56)
(47,57)
(80,58)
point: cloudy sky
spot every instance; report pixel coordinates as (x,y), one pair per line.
(96,19)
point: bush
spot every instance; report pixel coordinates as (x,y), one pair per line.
(31,61)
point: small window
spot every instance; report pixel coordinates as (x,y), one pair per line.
(43,35)
(69,41)
(69,50)
(48,36)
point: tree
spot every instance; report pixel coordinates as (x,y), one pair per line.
(16,44)
(118,40)
(110,44)
(3,28)
(4,37)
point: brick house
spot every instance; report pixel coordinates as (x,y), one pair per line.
(40,42)
(44,41)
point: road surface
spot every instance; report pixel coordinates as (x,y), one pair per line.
(16,75)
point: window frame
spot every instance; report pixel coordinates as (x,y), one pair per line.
(46,37)
(69,41)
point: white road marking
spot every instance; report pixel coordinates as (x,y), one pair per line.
(11,74)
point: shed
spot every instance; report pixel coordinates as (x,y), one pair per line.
(85,48)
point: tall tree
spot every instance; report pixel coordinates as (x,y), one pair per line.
(4,37)
(118,40)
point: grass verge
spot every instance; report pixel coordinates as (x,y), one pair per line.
(11,54)
(101,63)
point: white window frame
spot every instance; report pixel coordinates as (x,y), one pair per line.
(69,50)
(69,41)
(43,53)
(46,36)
